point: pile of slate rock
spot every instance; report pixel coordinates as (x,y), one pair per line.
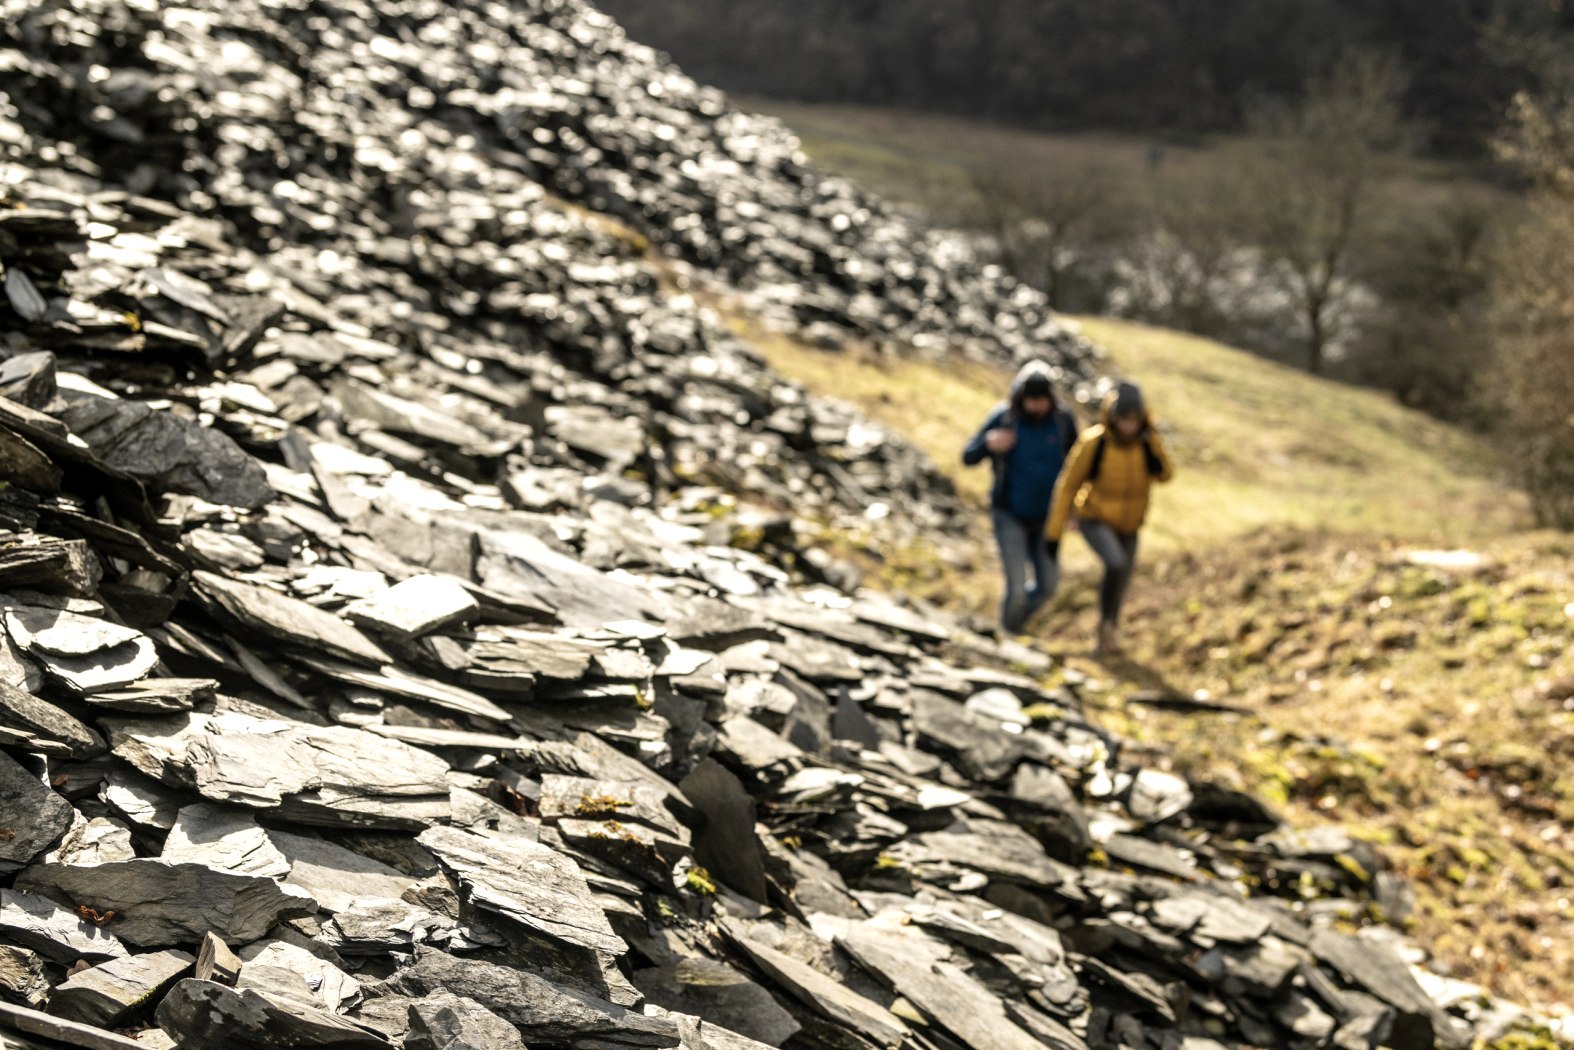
(412,627)
(418,136)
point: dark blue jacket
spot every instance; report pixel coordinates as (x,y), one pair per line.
(1025,476)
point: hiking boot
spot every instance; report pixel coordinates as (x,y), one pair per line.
(1108,644)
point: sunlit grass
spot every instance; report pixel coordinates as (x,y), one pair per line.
(1409,705)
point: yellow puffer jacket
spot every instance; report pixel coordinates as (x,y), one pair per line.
(1119,495)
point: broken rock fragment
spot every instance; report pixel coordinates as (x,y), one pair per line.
(31,815)
(544,1013)
(167,452)
(86,653)
(56,933)
(203,1013)
(289,620)
(329,775)
(158,903)
(719,993)
(525,882)
(448,1022)
(22,978)
(106,994)
(417,606)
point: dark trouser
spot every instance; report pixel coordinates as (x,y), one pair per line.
(1118,552)
(1021,544)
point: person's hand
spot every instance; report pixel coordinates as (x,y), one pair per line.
(1000,440)
(1073,525)
(1053,546)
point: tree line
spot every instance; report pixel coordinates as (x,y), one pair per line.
(1141,65)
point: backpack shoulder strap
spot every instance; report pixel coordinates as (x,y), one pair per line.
(1098,459)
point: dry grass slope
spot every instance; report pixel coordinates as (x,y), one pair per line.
(1432,710)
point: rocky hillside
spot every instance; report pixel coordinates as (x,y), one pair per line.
(413,633)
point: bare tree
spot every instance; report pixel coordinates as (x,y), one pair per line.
(1536,299)
(1045,222)
(1317,164)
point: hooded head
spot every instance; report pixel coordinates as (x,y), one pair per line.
(1125,400)
(1032,383)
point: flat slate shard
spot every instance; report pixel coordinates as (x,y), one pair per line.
(96,841)
(726,844)
(335,876)
(224,838)
(998,850)
(525,882)
(308,970)
(31,815)
(323,775)
(939,988)
(622,800)
(108,993)
(42,726)
(167,452)
(155,696)
(984,750)
(401,683)
(1377,968)
(413,607)
(719,993)
(544,1013)
(52,931)
(157,903)
(84,652)
(449,1022)
(22,978)
(203,1013)
(33,1030)
(215,960)
(289,620)
(43,562)
(830,998)
(635,848)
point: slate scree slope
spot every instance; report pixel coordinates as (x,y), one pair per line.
(413,633)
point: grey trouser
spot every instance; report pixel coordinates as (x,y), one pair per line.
(1022,543)
(1118,552)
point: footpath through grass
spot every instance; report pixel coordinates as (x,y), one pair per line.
(1429,709)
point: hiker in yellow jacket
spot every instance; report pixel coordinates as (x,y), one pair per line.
(1105,484)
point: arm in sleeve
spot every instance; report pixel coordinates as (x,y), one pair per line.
(975,452)
(1160,468)
(1069,484)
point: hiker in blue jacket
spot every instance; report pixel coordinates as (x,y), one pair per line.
(1026,440)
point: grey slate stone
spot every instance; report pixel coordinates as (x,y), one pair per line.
(920,971)
(449,1022)
(28,1029)
(215,961)
(108,993)
(54,932)
(22,978)
(327,776)
(413,607)
(544,1013)
(202,1013)
(31,815)
(84,652)
(829,997)
(158,903)
(720,994)
(287,619)
(527,883)
(42,726)
(167,452)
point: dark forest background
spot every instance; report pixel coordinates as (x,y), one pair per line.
(1139,65)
